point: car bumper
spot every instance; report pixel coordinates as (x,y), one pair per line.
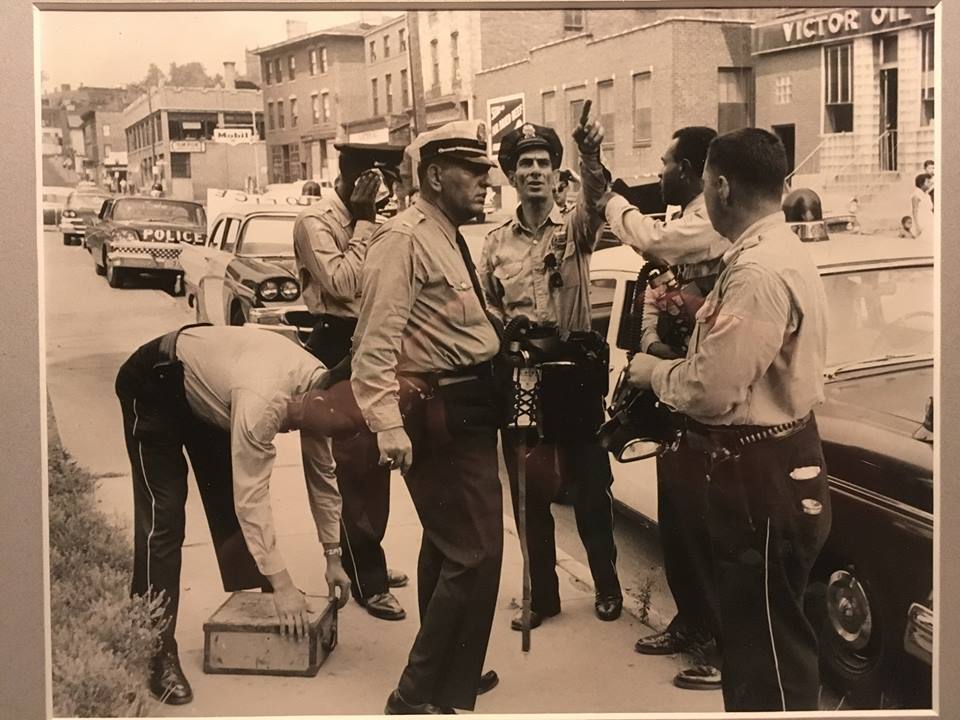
(278,320)
(71,228)
(145,256)
(918,636)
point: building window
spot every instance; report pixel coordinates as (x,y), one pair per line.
(642,109)
(276,70)
(404,90)
(325,106)
(293,112)
(179,165)
(926,77)
(313,61)
(276,163)
(315,108)
(573,20)
(605,108)
(323,60)
(455,57)
(270,121)
(107,149)
(268,72)
(291,67)
(733,98)
(403,39)
(373,51)
(549,102)
(435,62)
(838,88)
(386,46)
(388,89)
(373,94)
(784,90)
(106,130)
(281,120)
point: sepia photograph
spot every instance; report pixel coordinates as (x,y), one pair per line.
(500,359)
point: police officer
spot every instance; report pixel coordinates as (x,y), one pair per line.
(693,250)
(748,385)
(330,244)
(422,314)
(537,264)
(209,390)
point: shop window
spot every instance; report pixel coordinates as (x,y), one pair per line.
(388,89)
(642,109)
(926,77)
(605,111)
(733,98)
(838,88)
(784,90)
(180,165)
(573,20)
(549,102)
(404,89)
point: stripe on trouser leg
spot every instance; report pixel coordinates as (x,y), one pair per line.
(353,560)
(613,564)
(766,592)
(153,501)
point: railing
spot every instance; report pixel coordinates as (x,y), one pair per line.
(789,179)
(887,146)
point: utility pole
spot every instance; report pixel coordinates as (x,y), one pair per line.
(416,72)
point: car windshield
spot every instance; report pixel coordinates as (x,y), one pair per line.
(268,235)
(86,201)
(152,210)
(879,314)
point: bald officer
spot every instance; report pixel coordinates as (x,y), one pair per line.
(421,314)
(537,264)
(330,244)
(752,375)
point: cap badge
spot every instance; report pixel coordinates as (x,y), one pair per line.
(528,131)
(481,133)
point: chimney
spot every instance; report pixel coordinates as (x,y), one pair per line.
(296,28)
(230,75)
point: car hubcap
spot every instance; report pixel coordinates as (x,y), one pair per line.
(849,610)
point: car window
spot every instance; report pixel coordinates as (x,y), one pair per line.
(267,236)
(230,237)
(156,210)
(601,303)
(877,312)
(217,235)
(86,201)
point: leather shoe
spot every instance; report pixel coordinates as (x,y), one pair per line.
(488,681)
(667,642)
(396,705)
(384,606)
(699,677)
(168,684)
(535,619)
(396,579)
(608,608)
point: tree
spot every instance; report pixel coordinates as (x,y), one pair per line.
(192,74)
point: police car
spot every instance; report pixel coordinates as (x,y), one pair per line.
(135,235)
(871,590)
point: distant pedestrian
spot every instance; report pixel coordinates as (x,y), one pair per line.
(928,168)
(921,206)
(123,186)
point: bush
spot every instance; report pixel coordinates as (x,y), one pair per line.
(101,638)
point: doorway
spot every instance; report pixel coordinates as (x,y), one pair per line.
(788,136)
(889,91)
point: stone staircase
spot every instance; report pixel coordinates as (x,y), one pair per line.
(882,197)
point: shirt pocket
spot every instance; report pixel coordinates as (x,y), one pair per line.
(514,284)
(465,305)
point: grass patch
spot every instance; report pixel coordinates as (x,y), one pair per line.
(101,639)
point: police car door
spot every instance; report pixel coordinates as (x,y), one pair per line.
(221,254)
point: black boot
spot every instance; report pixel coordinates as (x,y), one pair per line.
(167,682)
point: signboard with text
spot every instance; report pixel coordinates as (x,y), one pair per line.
(187,146)
(815,28)
(504,114)
(233,136)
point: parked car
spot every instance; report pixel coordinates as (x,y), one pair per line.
(54,198)
(134,235)
(870,596)
(81,209)
(246,273)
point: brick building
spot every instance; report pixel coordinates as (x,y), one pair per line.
(105,140)
(851,93)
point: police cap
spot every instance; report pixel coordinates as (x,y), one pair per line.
(461,139)
(528,137)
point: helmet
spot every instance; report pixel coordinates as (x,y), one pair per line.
(640,426)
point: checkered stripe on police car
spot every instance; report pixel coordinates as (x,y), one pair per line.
(171,253)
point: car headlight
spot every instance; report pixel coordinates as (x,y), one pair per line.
(269,290)
(125,235)
(289,289)
(69,213)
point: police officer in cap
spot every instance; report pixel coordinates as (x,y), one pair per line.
(748,385)
(330,244)
(422,315)
(537,264)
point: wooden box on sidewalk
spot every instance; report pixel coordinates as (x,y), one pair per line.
(243,637)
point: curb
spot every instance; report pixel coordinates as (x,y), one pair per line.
(580,575)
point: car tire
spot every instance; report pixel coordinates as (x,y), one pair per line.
(100,269)
(237,318)
(858,635)
(115,275)
(67,240)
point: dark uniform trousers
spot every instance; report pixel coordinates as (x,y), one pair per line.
(764,547)
(456,491)
(685,542)
(364,483)
(158,425)
(583,469)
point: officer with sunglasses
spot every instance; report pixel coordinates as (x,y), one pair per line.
(537,264)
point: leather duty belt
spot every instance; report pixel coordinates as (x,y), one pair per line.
(721,443)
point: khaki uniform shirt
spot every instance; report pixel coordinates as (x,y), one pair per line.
(419,312)
(330,248)
(515,275)
(758,351)
(240,379)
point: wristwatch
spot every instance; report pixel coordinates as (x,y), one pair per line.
(338,551)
